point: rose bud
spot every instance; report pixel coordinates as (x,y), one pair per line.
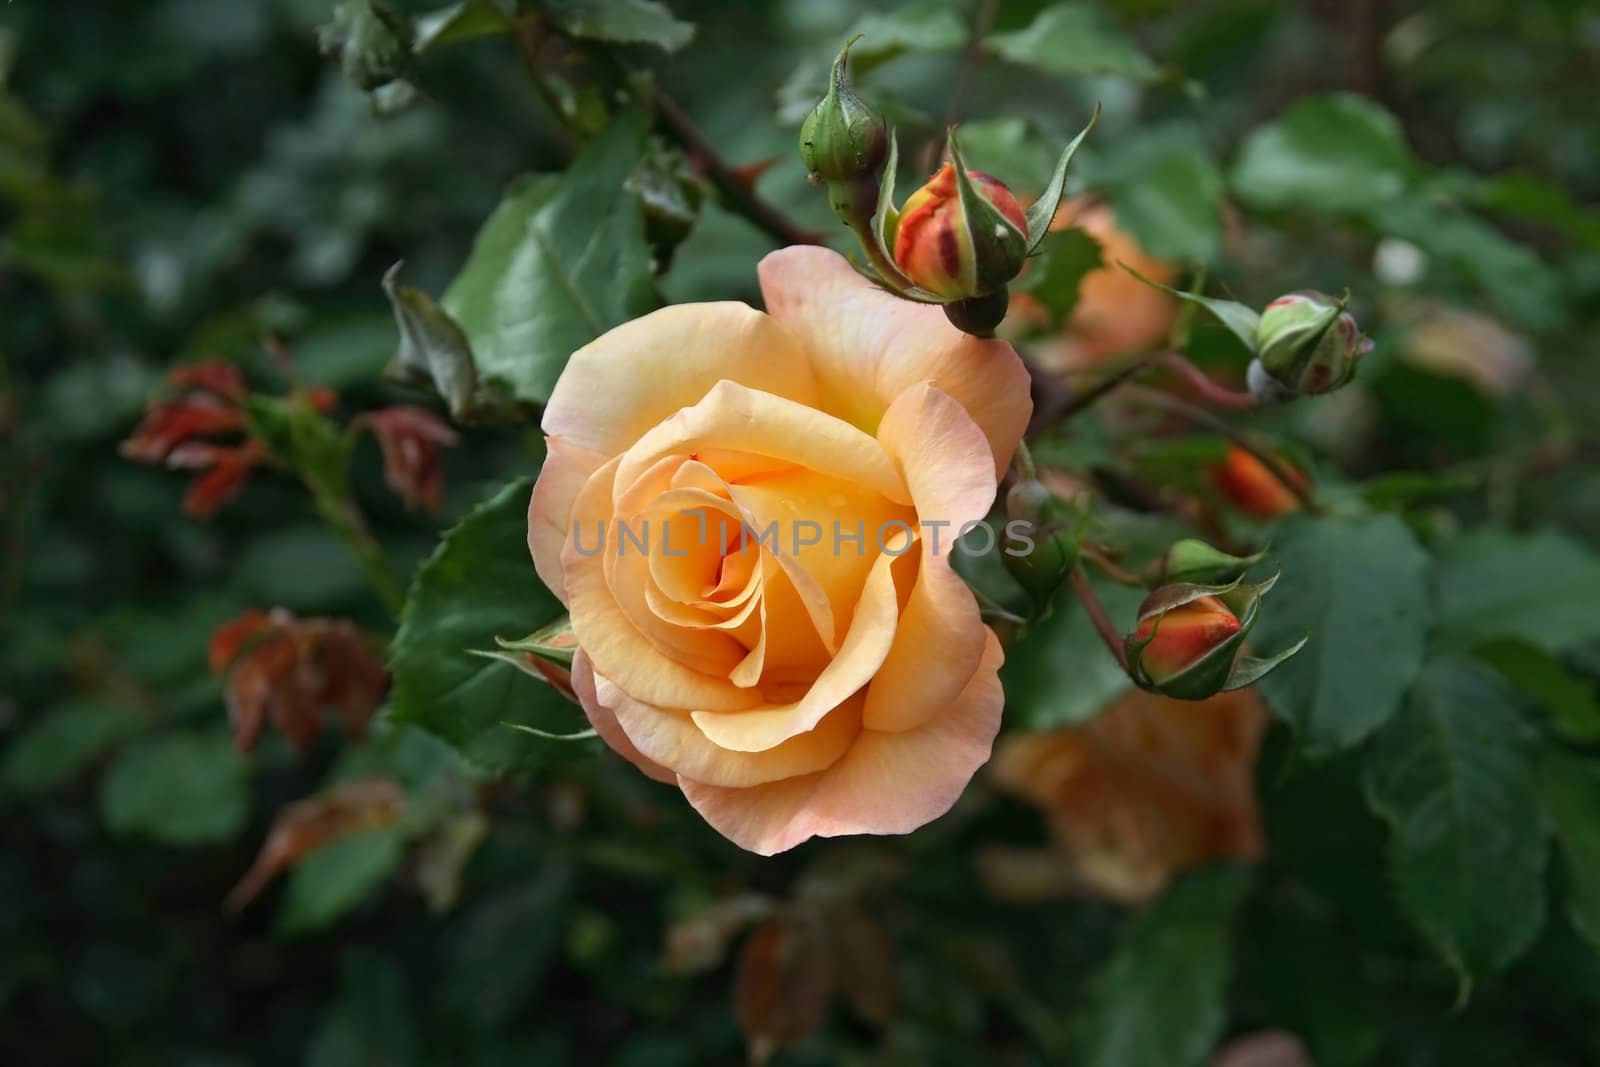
(1049,552)
(1306,343)
(1188,640)
(843,144)
(959,239)
(1191,560)
(1246,483)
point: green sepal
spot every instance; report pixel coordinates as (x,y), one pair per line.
(1240,320)
(1043,210)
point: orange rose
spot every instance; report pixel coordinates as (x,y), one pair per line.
(710,469)
(1246,483)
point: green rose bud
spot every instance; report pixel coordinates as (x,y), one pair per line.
(1191,560)
(1035,517)
(1306,343)
(843,145)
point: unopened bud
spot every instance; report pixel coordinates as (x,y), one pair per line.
(843,145)
(1189,639)
(1052,549)
(1246,483)
(1306,343)
(1192,560)
(961,238)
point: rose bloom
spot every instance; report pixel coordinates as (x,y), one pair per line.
(789,690)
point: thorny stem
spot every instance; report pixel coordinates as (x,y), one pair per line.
(1097,615)
(981,24)
(1201,417)
(1024,462)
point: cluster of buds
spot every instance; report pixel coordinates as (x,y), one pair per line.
(1189,639)
(1304,343)
(958,241)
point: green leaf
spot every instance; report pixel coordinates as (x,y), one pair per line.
(1340,153)
(1541,588)
(620,22)
(1569,702)
(559,262)
(1451,776)
(511,938)
(1042,212)
(62,742)
(916,27)
(1164,189)
(1161,1002)
(1061,673)
(1063,259)
(433,349)
(337,877)
(478,585)
(1511,273)
(464,20)
(1074,39)
(179,788)
(373,1022)
(1569,792)
(1358,587)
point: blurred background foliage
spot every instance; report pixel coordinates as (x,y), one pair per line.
(180,179)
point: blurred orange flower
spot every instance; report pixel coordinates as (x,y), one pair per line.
(1148,788)
(1117,314)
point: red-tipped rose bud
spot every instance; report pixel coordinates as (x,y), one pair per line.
(1179,639)
(956,248)
(1306,343)
(1189,638)
(1246,483)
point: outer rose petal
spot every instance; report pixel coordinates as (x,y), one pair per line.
(941,635)
(868,347)
(566,467)
(605,723)
(888,783)
(628,379)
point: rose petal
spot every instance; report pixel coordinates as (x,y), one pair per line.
(736,418)
(624,382)
(860,654)
(869,346)
(887,783)
(566,467)
(671,739)
(945,459)
(605,723)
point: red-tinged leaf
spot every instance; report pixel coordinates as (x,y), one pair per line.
(698,942)
(307,825)
(170,424)
(295,669)
(230,469)
(411,439)
(223,379)
(782,987)
(232,636)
